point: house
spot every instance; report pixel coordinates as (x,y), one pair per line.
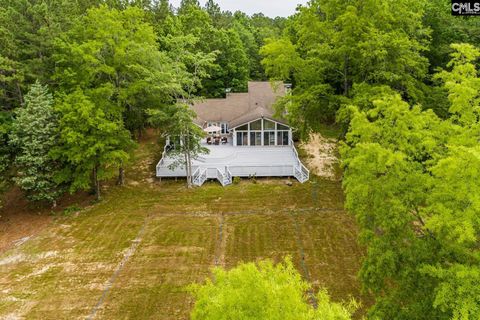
(245,139)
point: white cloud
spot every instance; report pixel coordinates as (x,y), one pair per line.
(271,8)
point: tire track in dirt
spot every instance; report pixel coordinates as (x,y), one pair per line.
(221,244)
(306,272)
(128,254)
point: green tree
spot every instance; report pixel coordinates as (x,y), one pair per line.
(93,142)
(113,56)
(5,150)
(177,121)
(263,291)
(331,46)
(34,133)
(447,29)
(411,179)
(463,84)
(231,68)
(452,214)
(386,184)
(179,127)
(28,31)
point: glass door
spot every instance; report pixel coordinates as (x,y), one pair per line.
(269,138)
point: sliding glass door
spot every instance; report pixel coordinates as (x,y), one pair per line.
(255,138)
(242,138)
(269,138)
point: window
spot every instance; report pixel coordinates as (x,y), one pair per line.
(282,127)
(256,125)
(282,138)
(255,138)
(224,127)
(269,138)
(268,125)
(242,139)
(243,128)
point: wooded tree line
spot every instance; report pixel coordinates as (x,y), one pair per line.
(402,78)
(80,81)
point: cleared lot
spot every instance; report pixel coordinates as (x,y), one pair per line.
(134,254)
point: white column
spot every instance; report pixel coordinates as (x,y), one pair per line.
(234,137)
(276,142)
(261,134)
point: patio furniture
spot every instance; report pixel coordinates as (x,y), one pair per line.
(224,140)
(209,140)
(217,141)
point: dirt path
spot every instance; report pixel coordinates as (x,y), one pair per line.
(128,253)
(321,155)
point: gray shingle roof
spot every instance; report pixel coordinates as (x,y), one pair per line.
(239,108)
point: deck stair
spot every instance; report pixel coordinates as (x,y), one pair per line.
(225,177)
(199,176)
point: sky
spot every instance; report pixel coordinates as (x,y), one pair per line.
(271,8)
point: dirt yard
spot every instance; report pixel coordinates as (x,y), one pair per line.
(321,156)
(134,254)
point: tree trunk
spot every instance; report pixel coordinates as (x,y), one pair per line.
(19,92)
(187,168)
(190,173)
(189,164)
(96,183)
(345,77)
(121,176)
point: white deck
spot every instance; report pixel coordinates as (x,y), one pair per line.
(241,161)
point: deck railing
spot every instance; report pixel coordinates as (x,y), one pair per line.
(299,171)
(225,178)
(273,170)
(220,177)
(199,176)
(229,174)
(164,153)
(225,174)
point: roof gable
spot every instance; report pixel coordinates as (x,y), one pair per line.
(238,108)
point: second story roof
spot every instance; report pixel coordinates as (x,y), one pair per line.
(239,108)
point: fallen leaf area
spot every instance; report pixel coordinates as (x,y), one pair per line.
(134,254)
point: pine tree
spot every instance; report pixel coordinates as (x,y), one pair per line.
(34,133)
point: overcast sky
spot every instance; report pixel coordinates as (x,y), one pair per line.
(271,8)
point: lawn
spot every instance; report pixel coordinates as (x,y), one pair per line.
(133,255)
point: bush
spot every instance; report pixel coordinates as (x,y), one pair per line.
(71,209)
(263,291)
(236,180)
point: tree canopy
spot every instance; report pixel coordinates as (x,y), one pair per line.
(413,188)
(263,291)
